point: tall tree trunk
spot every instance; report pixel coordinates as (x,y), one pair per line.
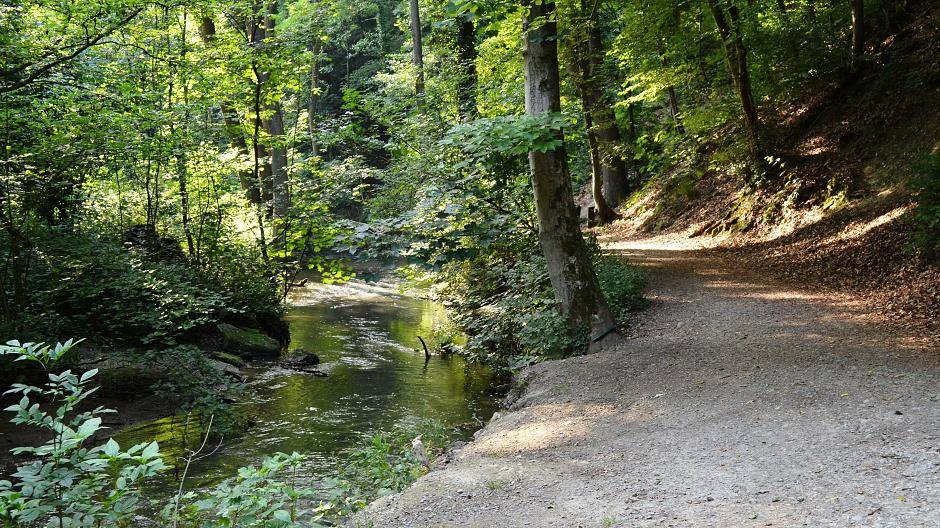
(417,54)
(729,28)
(280,189)
(589,99)
(604,212)
(274,126)
(631,115)
(577,291)
(313,102)
(182,172)
(601,123)
(231,123)
(858,31)
(467,55)
(674,109)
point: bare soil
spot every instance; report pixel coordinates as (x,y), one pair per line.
(736,400)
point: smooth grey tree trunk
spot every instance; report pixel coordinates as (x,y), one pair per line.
(613,169)
(674,109)
(858,31)
(417,54)
(572,275)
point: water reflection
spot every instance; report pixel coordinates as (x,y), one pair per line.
(366,337)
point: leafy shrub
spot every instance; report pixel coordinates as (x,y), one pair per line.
(622,285)
(203,389)
(926,185)
(132,295)
(68,483)
(265,496)
(387,463)
(506,306)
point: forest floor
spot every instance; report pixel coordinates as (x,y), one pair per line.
(737,399)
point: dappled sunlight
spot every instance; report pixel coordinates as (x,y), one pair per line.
(552,425)
(859,229)
(315,292)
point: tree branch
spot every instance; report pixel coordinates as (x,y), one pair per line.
(29,79)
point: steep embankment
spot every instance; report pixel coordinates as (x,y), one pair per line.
(736,401)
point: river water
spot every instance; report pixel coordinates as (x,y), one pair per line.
(366,337)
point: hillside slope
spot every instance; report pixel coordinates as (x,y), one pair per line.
(840,214)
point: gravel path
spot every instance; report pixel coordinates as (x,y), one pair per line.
(734,402)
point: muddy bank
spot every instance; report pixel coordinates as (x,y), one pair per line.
(736,401)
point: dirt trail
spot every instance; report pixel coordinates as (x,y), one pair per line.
(734,402)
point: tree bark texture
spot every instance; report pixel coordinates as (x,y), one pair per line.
(572,275)
(274,126)
(417,54)
(728,21)
(613,170)
(858,31)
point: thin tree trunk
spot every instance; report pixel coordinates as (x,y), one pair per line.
(231,123)
(858,31)
(674,109)
(417,55)
(729,28)
(589,100)
(613,170)
(274,126)
(605,213)
(313,102)
(631,115)
(467,55)
(600,121)
(182,165)
(577,291)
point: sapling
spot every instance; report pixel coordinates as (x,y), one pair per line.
(66,483)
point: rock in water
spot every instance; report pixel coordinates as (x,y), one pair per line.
(248,343)
(301,358)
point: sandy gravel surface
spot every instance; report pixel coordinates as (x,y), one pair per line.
(734,402)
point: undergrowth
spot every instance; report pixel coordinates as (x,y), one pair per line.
(73,481)
(504,304)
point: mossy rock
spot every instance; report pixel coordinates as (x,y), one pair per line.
(231,359)
(248,343)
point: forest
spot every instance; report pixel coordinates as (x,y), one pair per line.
(192,192)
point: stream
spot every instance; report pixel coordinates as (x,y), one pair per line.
(366,337)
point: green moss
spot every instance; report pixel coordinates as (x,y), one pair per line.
(248,342)
(231,359)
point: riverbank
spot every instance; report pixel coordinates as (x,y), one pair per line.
(737,400)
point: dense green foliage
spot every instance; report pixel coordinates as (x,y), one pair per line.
(165,168)
(505,305)
(69,483)
(73,483)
